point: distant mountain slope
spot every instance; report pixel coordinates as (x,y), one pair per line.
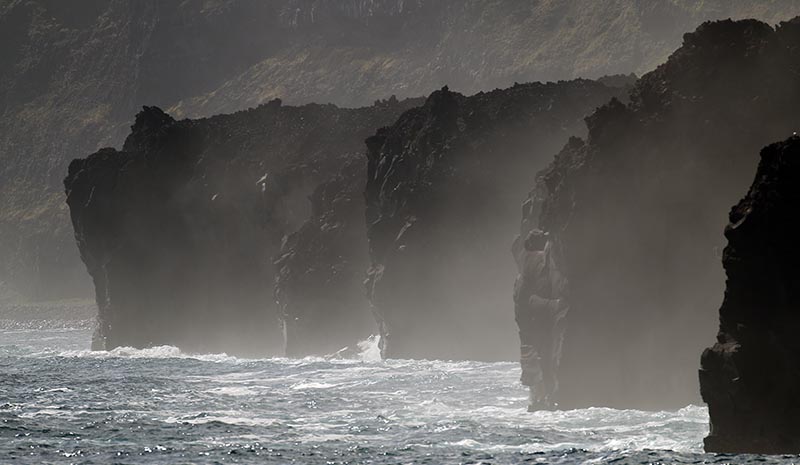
(352,52)
(72,75)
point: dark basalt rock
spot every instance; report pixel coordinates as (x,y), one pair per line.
(636,209)
(179,229)
(440,195)
(320,281)
(750,377)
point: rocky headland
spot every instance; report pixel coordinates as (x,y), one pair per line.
(179,229)
(636,209)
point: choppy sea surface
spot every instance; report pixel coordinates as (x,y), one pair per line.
(61,403)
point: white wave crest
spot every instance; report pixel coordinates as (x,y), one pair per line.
(157,352)
(370,350)
(367,350)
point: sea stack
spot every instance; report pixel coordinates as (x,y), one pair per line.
(180,229)
(750,378)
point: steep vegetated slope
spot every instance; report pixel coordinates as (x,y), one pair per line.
(638,206)
(749,378)
(178,230)
(72,74)
(351,52)
(441,208)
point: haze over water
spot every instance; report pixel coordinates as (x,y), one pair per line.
(62,403)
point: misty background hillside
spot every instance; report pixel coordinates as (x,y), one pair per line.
(74,74)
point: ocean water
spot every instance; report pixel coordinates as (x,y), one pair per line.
(61,403)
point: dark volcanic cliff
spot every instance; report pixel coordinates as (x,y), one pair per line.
(441,190)
(636,209)
(749,378)
(320,279)
(178,230)
(73,73)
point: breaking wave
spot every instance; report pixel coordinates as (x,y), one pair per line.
(163,405)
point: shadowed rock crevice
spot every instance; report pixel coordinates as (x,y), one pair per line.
(321,270)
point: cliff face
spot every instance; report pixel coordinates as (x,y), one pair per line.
(72,74)
(320,282)
(178,230)
(636,210)
(749,377)
(440,192)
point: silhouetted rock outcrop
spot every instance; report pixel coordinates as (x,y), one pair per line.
(179,229)
(637,207)
(441,190)
(750,377)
